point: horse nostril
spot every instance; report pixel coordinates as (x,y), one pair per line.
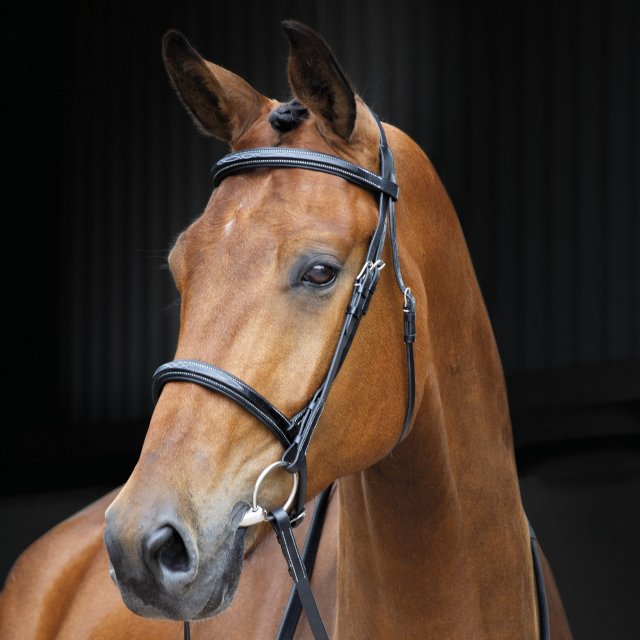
(165,548)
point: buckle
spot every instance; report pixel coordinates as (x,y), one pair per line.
(369,266)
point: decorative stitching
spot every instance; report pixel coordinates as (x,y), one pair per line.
(376,186)
(291,564)
(333,164)
(295,547)
(244,385)
(204,365)
(259,152)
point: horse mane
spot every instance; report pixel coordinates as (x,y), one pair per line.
(288,116)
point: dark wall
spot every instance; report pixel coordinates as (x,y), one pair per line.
(529,111)
(34,107)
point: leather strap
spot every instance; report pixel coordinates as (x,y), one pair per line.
(541,591)
(308,418)
(293,610)
(215,379)
(364,288)
(288,157)
(282,526)
(409,312)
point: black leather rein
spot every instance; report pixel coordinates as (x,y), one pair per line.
(295,433)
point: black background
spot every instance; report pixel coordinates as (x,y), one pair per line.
(529,111)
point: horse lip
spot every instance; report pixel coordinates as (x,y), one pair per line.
(221,597)
(237,513)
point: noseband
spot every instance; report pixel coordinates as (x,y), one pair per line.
(295,433)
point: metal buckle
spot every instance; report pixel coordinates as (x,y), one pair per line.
(256,513)
(407,293)
(368,265)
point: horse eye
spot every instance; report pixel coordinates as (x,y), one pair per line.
(320,275)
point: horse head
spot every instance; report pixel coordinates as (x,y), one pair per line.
(264,276)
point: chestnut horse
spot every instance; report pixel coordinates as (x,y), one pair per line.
(423,539)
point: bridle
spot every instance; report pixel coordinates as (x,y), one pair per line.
(295,433)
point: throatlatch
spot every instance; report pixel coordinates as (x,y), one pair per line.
(295,433)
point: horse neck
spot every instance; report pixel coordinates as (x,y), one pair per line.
(433,538)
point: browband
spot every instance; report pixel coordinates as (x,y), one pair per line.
(290,157)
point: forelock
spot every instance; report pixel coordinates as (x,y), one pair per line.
(288,116)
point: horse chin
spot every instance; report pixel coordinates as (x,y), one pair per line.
(211,592)
(226,584)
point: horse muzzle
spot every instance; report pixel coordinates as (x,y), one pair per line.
(163,571)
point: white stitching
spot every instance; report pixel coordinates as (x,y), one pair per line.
(270,161)
(295,546)
(204,365)
(254,154)
(291,564)
(244,385)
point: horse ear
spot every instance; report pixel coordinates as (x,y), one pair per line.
(317,79)
(221,103)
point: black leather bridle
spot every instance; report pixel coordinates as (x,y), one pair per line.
(295,433)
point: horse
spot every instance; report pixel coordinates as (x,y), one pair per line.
(424,536)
